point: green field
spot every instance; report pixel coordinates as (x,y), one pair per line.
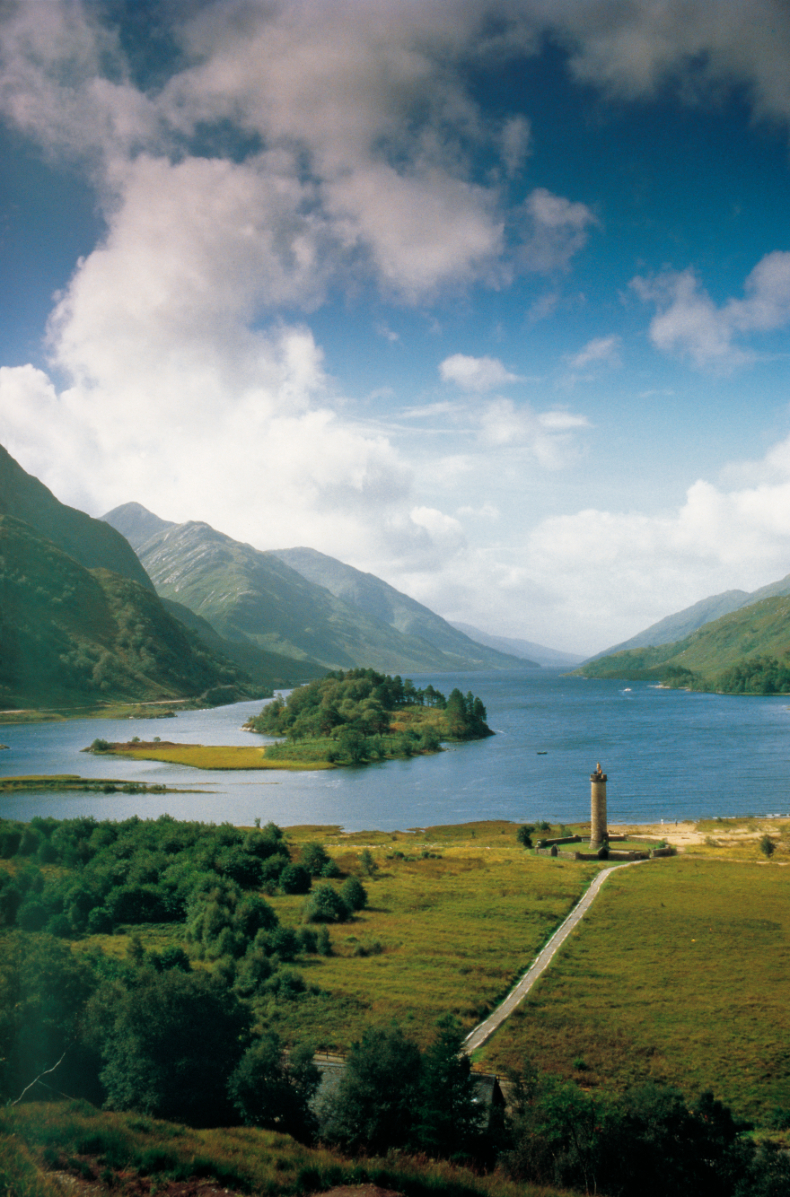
(679,972)
(455,915)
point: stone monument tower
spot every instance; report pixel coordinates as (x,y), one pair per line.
(598,832)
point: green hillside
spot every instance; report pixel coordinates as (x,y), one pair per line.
(383,602)
(253,597)
(269,670)
(745,651)
(72,636)
(93,543)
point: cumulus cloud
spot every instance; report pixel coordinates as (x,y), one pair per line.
(690,324)
(636,47)
(615,570)
(476,373)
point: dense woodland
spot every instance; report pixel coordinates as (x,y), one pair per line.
(362,715)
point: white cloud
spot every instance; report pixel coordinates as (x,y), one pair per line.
(634,48)
(554,230)
(599,351)
(689,323)
(476,373)
(545,437)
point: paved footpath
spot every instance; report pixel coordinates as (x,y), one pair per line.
(485,1030)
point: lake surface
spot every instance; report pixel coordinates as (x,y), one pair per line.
(668,754)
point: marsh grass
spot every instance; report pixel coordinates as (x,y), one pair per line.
(75,1138)
(456,915)
(62,782)
(200,756)
(678,973)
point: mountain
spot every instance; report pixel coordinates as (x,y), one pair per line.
(714,656)
(93,543)
(135,523)
(76,637)
(530,654)
(251,597)
(383,602)
(683,623)
(269,670)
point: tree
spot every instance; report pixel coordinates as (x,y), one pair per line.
(367,863)
(314,857)
(295,879)
(373,1108)
(767,846)
(169,1042)
(325,905)
(449,1118)
(524,835)
(266,1090)
(354,894)
(44,988)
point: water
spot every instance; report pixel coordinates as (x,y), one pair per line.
(668,754)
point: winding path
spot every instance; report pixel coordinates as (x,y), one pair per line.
(481,1033)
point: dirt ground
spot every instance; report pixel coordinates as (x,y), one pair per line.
(730,832)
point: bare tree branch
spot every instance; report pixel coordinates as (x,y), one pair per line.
(46,1072)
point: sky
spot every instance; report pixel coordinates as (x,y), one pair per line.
(490,298)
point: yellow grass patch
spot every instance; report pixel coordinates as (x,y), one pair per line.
(202,756)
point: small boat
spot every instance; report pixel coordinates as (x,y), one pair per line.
(539,753)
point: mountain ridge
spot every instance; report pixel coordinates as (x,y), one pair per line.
(254,597)
(73,636)
(91,542)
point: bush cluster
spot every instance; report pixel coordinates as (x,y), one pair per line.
(136,871)
(351,714)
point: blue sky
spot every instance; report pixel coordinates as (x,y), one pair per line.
(489,297)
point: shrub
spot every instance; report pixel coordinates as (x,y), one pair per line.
(294,879)
(100,921)
(325,905)
(767,846)
(314,857)
(367,863)
(354,894)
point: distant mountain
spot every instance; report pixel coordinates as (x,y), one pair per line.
(93,543)
(251,597)
(531,654)
(72,636)
(683,623)
(712,656)
(135,523)
(383,602)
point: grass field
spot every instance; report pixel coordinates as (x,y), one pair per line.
(84,1150)
(455,915)
(679,972)
(200,756)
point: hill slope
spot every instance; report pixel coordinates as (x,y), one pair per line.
(73,636)
(713,656)
(93,543)
(253,597)
(383,602)
(683,623)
